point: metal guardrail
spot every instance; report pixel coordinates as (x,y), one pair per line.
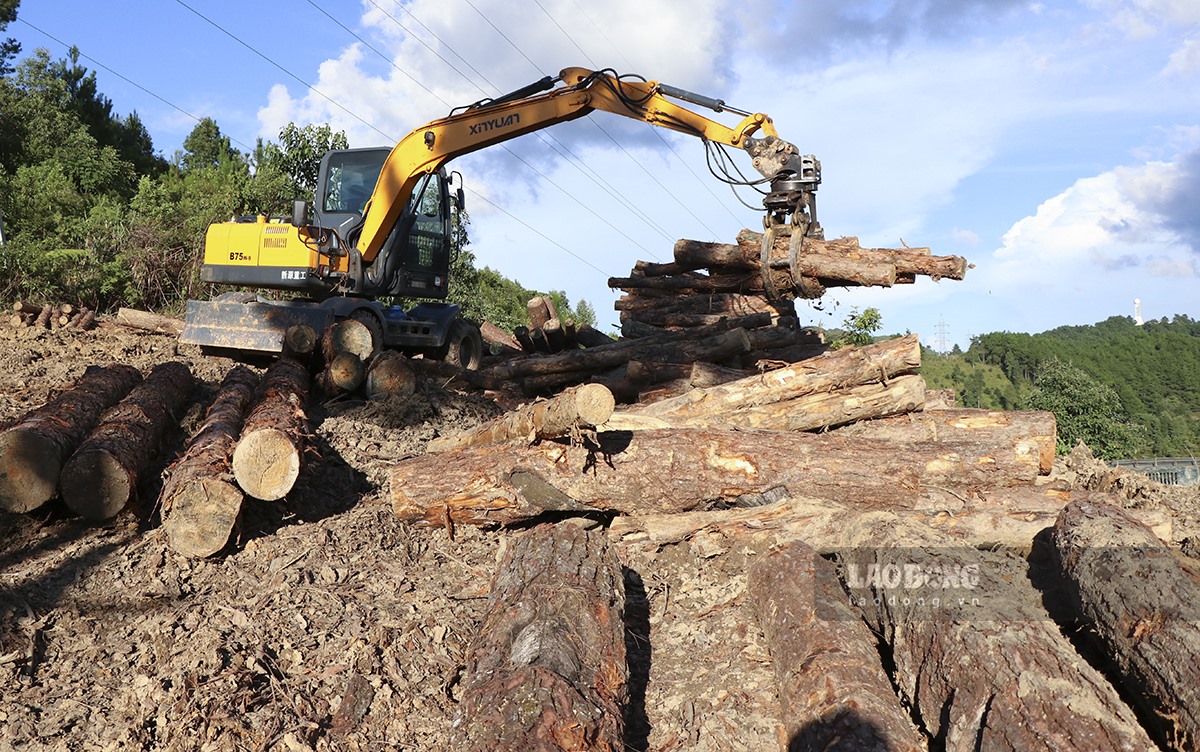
(1171,471)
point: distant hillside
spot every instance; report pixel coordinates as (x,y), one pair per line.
(1153,369)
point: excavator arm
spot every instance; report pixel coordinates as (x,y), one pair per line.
(575,93)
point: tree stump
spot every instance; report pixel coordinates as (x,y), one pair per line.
(547,669)
(266,461)
(200,499)
(33,451)
(101,477)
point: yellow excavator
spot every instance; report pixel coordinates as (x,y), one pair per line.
(380,223)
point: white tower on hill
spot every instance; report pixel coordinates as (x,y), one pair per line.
(1137,312)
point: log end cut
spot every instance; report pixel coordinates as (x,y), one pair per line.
(266,464)
(202,517)
(29,468)
(95,485)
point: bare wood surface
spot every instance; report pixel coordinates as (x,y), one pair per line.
(547,670)
(833,691)
(1034,432)
(343,374)
(23,306)
(32,451)
(988,519)
(266,461)
(299,340)
(1139,600)
(147,321)
(200,499)
(347,335)
(102,475)
(683,469)
(541,310)
(975,653)
(582,407)
(390,374)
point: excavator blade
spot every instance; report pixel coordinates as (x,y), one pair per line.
(253,326)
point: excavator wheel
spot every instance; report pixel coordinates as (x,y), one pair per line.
(464,346)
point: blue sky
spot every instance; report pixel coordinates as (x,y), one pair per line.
(1055,145)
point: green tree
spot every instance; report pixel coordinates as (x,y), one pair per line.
(206,146)
(1086,410)
(299,151)
(9,48)
(859,328)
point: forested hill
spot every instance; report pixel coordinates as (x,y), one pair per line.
(1138,385)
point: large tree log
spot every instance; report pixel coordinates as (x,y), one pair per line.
(342,374)
(988,519)
(150,322)
(834,370)
(348,335)
(497,337)
(1033,432)
(833,690)
(576,409)
(976,656)
(677,470)
(748,252)
(33,450)
(587,336)
(390,374)
(547,669)
(200,498)
(266,461)
(101,477)
(1140,601)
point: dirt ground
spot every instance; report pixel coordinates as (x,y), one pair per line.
(111,641)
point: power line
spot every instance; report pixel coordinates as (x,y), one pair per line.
(135,84)
(535,231)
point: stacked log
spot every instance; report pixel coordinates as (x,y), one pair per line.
(200,500)
(267,459)
(547,331)
(547,668)
(390,374)
(54,317)
(149,322)
(707,280)
(346,348)
(32,451)
(103,473)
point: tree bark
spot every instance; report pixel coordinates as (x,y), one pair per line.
(682,469)
(909,261)
(541,311)
(497,337)
(975,654)
(1031,432)
(87,321)
(200,499)
(390,374)
(833,691)
(581,407)
(43,318)
(547,670)
(22,306)
(150,322)
(299,340)
(32,451)
(590,337)
(101,477)
(1139,600)
(266,461)
(836,369)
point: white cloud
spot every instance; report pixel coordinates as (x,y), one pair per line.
(1185,60)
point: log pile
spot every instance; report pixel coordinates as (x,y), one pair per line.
(51,316)
(708,281)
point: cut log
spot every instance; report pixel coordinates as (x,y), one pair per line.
(22,306)
(266,461)
(150,322)
(908,261)
(833,691)
(33,450)
(588,336)
(390,374)
(578,408)
(43,318)
(547,669)
(347,335)
(682,469)
(975,653)
(1140,601)
(102,476)
(836,369)
(498,338)
(341,375)
(299,340)
(556,340)
(1032,432)
(538,337)
(541,311)
(86,321)
(987,519)
(522,335)
(200,500)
